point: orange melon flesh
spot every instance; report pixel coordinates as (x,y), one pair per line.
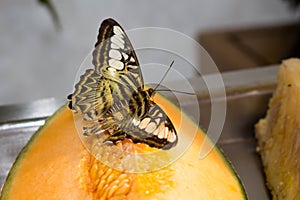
(55,165)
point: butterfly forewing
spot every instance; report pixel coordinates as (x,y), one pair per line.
(114,56)
(112,96)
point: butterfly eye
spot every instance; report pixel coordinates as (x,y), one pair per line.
(151,92)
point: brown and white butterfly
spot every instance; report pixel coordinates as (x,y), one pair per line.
(112,97)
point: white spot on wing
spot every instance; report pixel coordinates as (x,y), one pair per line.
(161,133)
(151,127)
(171,137)
(132,66)
(157,121)
(114,46)
(144,123)
(166,132)
(125,55)
(136,122)
(115,54)
(117,41)
(116,64)
(112,70)
(132,59)
(117,30)
(156,131)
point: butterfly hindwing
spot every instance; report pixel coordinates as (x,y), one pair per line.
(154,129)
(92,96)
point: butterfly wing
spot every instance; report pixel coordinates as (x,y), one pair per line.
(115,59)
(115,78)
(154,129)
(92,96)
(116,73)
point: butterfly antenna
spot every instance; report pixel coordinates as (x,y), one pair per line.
(164,75)
(177,91)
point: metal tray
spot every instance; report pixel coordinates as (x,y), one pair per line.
(248,92)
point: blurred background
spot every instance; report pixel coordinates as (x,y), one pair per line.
(39,56)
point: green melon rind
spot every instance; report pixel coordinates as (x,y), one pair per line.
(4,195)
(5,190)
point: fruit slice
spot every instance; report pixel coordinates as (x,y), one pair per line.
(279,134)
(55,165)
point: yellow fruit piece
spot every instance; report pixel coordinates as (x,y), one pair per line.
(279,134)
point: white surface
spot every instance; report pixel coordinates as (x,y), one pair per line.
(38,62)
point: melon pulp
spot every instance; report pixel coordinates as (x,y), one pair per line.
(55,165)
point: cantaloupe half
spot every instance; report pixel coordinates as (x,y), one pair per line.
(56,165)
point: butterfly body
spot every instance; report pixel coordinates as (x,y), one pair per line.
(112,97)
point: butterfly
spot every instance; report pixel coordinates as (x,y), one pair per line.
(112,98)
